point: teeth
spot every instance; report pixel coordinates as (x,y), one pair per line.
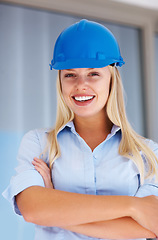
(83,98)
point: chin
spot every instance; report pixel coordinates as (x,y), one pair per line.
(85,115)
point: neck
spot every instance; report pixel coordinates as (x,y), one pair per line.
(95,124)
(93,130)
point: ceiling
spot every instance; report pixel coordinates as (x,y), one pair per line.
(150,4)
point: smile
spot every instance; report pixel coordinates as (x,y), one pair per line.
(83,98)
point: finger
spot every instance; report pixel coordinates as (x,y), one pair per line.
(45,176)
(44,170)
(40,162)
(44,167)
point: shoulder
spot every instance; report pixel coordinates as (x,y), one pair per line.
(36,136)
(33,144)
(152,145)
(36,133)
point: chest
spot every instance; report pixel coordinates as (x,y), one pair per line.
(101,172)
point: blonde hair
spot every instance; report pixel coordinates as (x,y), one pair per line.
(131,145)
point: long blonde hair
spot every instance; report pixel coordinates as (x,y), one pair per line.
(131,145)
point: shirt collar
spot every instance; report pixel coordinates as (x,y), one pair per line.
(114,130)
(70,125)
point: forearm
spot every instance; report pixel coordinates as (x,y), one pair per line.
(50,207)
(71,209)
(122,228)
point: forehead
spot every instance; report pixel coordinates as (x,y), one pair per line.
(82,70)
(77,69)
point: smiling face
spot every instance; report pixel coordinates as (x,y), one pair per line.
(86,90)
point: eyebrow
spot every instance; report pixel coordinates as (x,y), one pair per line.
(74,70)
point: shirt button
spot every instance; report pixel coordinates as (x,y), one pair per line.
(94,156)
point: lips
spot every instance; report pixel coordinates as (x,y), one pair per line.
(83,100)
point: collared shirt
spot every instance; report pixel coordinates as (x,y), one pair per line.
(79,169)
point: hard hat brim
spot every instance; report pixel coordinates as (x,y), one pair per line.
(85,63)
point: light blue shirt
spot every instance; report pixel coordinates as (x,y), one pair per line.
(101,172)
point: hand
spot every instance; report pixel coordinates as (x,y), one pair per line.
(44,170)
(145,213)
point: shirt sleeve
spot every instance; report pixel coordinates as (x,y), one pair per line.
(150,186)
(26,176)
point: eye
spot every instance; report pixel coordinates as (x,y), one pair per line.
(94,74)
(69,75)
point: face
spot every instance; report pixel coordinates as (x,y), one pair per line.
(86,90)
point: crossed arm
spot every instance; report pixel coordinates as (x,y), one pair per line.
(120,217)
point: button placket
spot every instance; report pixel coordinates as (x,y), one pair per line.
(88,165)
(95,165)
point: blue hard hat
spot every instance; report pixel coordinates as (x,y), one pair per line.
(86,44)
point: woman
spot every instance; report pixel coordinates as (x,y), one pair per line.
(103,178)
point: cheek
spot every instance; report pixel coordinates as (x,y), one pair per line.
(105,90)
(63,88)
(65,93)
(108,87)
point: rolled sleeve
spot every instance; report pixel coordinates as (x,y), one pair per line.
(19,183)
(147,189)
(150,187)
(26,175)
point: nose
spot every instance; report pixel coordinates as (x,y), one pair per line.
(81,82)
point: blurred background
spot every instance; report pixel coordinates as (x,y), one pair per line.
(28,30)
